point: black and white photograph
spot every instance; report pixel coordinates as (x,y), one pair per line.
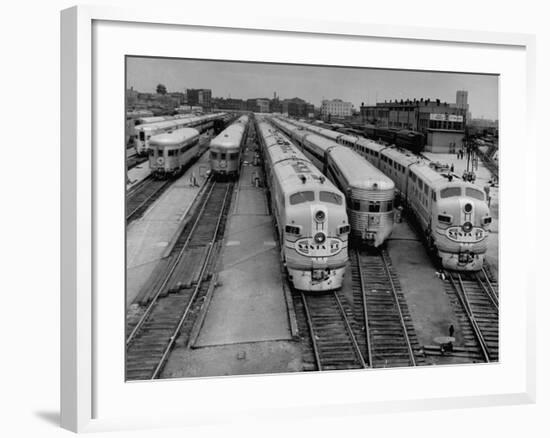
(286,218)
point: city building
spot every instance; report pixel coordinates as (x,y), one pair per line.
(199,97)
(258,105)
(442,123)
(178,97)
(462,99)
(297,107)
(335,108)
(131,97)
(483,127)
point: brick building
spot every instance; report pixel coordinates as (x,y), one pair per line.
(442,123)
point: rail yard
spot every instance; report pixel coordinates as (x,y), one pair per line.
(260,243)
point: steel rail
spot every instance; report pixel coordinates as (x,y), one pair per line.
(175,334)
(365,310)
(487,292)
(402,319)
(141,204)
(490,288)
(311,333)
(350,332)
(170,272)
(347,325)
(461,293)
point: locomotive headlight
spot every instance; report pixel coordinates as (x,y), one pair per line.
(467,227)
(468,207)
(319,238)
(320,216)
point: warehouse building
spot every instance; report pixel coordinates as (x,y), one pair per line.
(442,123)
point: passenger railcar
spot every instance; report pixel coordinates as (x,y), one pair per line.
(225,149)
(145,132)
(131,122)
(310,213)
(171,152)
(411,140)
(156,119)
(453,214)
(369,193)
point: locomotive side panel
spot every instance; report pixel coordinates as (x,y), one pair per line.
(310,214)
(460,237)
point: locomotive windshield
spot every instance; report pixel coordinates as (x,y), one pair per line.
(474,193)
(299,197)
(331,197)
(449,192)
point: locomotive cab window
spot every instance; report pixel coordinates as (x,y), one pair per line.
(476,194)
(300,197)
(223,156)
(449,192)
(330,197)
(234,156)
(213,155)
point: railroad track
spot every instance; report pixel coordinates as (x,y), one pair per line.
(333,340)
(475,299)
(174,303)
(382,319)
(140,197)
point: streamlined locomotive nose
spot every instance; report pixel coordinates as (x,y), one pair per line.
(320,238)
(320,216)
(467,227)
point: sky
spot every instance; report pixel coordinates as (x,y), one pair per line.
(246,80)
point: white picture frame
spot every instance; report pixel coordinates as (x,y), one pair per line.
(85,373)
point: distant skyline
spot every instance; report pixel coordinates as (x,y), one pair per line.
(247,80)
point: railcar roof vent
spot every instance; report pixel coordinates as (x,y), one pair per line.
(303,178)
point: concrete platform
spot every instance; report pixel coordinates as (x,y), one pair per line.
(483,175)
(137,174)
(236,359)
(249,304)
(148,237)
(429,305)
